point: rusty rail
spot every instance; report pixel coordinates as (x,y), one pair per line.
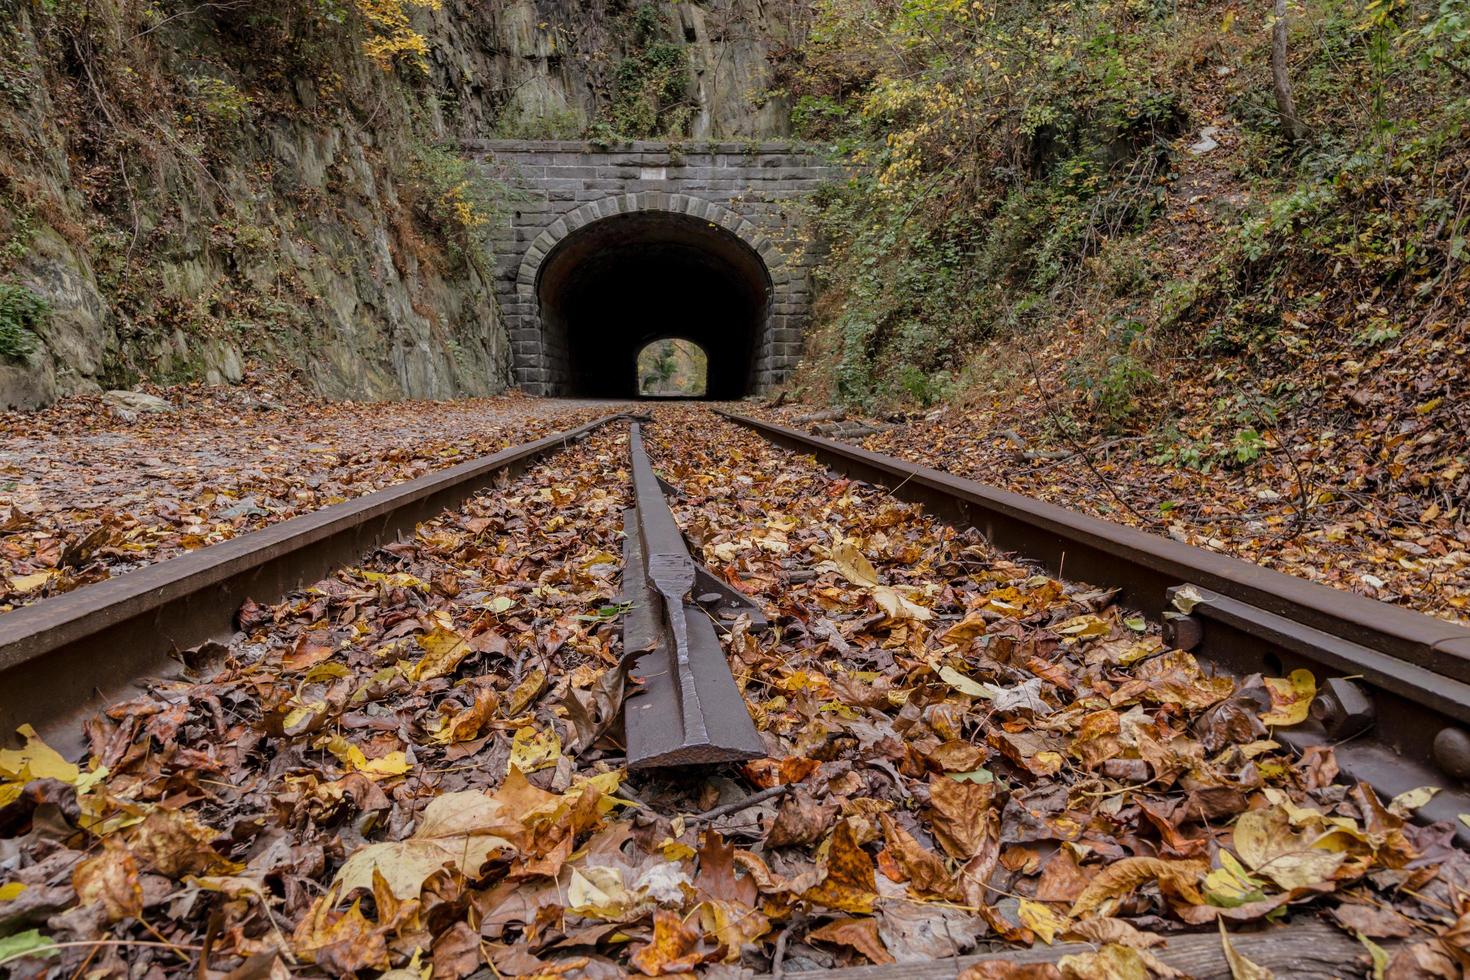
(689,710)
(1395,697)
(64,657)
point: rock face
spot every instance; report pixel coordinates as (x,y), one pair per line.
(137,401)
(188,187)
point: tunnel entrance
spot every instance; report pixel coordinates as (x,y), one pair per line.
(673,368)
(612,287)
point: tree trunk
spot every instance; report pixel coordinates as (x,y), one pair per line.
(1291,124)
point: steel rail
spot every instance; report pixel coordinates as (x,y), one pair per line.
(1398,677)
(688,710)
(64,657)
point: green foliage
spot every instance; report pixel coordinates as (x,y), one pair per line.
(1006,146)
(220,101)
(551,124)
(21,313)
(1247,446)
(650,86)
(456,198)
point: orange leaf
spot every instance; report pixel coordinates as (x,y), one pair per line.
(672,949)
(767,773)
(860,934)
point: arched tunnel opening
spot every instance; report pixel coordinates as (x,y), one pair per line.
(614,286)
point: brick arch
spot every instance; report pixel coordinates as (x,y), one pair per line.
(535,368)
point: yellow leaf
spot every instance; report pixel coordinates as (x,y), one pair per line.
(464,829)
(733,924)
(1269,846)
(674,850)
(849,884)
(443,650)
(1240,967)
(672,949)
(397,580)
(30,583)
(1040,919)
(531,750)
(11,890)
(111,880)
(962,683)
(1405,804)
(36,760)
(1291,697)
(598,891)
(527,691)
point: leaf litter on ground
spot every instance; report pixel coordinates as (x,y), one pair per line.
(414,765)
(86,493)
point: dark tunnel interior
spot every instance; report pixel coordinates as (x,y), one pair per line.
(611,287)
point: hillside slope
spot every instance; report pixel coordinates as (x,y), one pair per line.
(1089,250)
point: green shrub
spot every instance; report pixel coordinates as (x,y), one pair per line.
(21,313)
(457,198)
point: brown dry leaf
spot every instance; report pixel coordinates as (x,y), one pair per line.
(717,879)
(800,820)
(1373,922)
(173,843)
(342,943)
(769,773)
(859,934)
(111,879)
(961,814)
(925,870)
(1103,931)
(899,606)
(1062,879)
(456,952)
(672,949)
(849,883)
(1119,879)
(854,566)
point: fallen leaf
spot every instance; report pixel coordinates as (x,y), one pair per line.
(848,883)
(1240,967)
(1122,877)
(859,934)
(672,949)
(1291,698)
(464,829)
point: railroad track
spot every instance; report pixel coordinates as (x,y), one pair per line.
(1394,698)
(1396,702)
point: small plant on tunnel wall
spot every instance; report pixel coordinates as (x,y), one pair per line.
(21,312)
(651,85)
(457,199)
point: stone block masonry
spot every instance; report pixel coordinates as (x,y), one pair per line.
(750,190)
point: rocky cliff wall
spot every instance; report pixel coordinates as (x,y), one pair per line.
(186,186)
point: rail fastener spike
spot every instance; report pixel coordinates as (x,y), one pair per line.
(688,710)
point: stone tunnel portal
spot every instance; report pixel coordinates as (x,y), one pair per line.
(613,286)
